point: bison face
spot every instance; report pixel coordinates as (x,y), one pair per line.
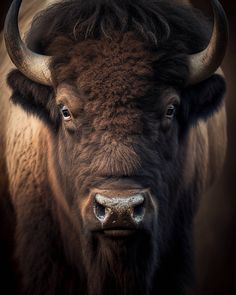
(118,159)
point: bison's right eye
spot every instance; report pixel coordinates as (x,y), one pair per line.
(66,113)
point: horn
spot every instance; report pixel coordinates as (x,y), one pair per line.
(203,64)
(31,64)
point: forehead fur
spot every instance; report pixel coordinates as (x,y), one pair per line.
(119,67)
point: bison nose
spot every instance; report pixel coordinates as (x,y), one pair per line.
(116,212)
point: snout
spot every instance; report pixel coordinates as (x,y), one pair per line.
(119,213)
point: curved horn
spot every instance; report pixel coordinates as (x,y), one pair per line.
(205,63)
(33,65)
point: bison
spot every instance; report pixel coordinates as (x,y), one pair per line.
(115,126)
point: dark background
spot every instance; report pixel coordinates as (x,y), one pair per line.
(215,230)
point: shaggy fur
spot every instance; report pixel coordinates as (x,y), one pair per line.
(117,66)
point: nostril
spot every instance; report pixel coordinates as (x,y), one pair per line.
(99,211)
(138,213)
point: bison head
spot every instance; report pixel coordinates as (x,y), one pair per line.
(120,111)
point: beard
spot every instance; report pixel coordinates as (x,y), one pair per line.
(120,266)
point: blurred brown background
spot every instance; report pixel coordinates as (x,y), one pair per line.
(215,230)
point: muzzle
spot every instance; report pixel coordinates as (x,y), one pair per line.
(119,212)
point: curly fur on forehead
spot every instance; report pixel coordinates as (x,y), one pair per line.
(121,63)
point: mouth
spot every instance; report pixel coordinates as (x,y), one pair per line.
(117,233)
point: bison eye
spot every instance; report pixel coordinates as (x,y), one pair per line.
(66,113)
(170,112)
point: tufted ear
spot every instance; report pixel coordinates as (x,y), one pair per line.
(201,100)
(34,98)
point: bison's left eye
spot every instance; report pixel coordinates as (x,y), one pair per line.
(66,113)
(170,112)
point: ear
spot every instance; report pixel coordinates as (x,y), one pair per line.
(35,99)
(201,100)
